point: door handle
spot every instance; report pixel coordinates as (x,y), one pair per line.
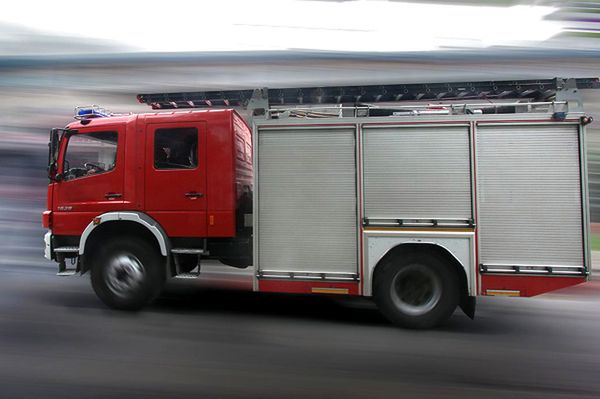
(112,195)
(194,195)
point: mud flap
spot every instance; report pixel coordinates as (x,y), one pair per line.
(467,304)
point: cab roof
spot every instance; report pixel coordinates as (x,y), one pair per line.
(183,115)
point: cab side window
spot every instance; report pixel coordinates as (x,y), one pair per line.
(90,154)
(176,148)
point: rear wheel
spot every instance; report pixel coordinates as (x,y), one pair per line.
(127,273)
(416,291)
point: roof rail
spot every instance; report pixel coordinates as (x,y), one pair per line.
(364,110)
(534,90)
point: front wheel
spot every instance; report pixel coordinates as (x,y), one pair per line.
(416,291)
(127,273)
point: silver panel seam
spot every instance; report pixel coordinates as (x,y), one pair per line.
(586,201)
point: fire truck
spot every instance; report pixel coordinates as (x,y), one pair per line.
(421,196)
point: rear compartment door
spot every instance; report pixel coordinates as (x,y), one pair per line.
(307,206)
(530,205)
(417,173)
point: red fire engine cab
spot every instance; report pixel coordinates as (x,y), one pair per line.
(422,207)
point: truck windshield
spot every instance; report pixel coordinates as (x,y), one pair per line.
(90,154)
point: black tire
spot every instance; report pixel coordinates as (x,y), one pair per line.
(417,290)
(127,273)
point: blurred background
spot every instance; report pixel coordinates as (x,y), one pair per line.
(56,55)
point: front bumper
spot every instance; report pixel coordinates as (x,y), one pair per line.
(48,245)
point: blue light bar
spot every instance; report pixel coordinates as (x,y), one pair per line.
(90,112)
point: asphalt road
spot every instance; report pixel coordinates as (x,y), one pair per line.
(58,341)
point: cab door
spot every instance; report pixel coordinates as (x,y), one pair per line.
(91,183)
(175,177)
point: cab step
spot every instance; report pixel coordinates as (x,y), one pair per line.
(189,251)
(188,276)
(194,273)
(62,253)
(66,249)
(67,273)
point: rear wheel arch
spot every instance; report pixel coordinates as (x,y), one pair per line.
(419,285)
(402,250)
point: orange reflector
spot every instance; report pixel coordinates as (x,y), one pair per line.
(325,290)
(503,293)
(211,220)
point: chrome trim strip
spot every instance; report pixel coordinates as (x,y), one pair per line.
(475,278)
(376,125)
(360,200)
(302,275)
(550,122)
(532,269)
(416,222)
(193,251)
(255,200)
(66,249)
(328,125)
(586,228)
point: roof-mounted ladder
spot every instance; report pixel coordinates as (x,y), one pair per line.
(261,101)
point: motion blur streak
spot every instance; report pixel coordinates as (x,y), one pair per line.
(57,340)
(357,26)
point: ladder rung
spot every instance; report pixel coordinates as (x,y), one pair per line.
(534,88)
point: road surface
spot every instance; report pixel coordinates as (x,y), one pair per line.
(58,341)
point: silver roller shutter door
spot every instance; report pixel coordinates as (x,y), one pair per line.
(307,200)
(417,173)
(529,195)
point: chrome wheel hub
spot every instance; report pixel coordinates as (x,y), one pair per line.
(416,290)
(124,275)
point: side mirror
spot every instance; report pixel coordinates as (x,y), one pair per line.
(52,175)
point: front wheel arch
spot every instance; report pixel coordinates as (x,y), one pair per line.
(108,229)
